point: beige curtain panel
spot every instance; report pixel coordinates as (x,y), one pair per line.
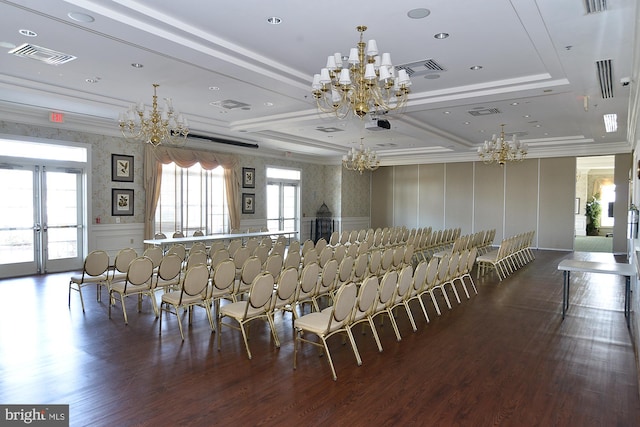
(154,158)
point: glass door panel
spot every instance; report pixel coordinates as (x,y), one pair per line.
(18,244)
(62,237)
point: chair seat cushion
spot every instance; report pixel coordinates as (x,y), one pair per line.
(131,289)
(89,279)
(237,309)
(317,322)
(173,298)
(488,257)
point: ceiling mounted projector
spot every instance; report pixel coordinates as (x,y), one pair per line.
(377,124)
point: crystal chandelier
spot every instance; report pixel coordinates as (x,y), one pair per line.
(361,160)
(500,151)
(367,84)
(154,126)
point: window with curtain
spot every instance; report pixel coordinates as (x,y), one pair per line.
(192,199)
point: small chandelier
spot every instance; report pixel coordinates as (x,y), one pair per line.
(500,151)
(154,127)
(367,84)
(361,160)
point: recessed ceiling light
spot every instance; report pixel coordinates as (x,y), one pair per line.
(418,13)
(526,116)
(268,104)
(275,20)
(446,112)
(476,67)
(467,123)
(28,33)
(441,36)
(80,17)
(137,65)
(93,80)
(514,103)
(214,88)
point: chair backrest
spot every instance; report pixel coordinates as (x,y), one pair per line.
(261,291)
(169,267)
(262,252)
(196,280)
(345,270)
(420,276)
(310,256)
(343,306)
(432,272)
(140,271)
(352,250)
(292,260)
(325,255)
(198,246)
(374,262)
(306,246)
(240,256)
(443,268)
(250,269)
(224,276)
(215,245)
(471,260)
(405,281)
(234,245)
(198,233)
(340,252)
(321,244)
(285,291)
(328,276)
(398,256)
(273,264)
(387,259)
(155,254)
(96,263)
(334,239)
(159,236)
(360,267)
(309,278)
(219,256)
(279,248)
(124,258)
(266,240)
(178,250)
(367,295)
(453,265)
(387,287)
(294,246)
(344,237)
(178,234)
(195,258)
(252,244)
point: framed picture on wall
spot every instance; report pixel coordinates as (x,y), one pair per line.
(248,203)
(121,168)
(121,202)
(248,178)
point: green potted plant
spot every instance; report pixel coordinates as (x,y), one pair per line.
(592,212)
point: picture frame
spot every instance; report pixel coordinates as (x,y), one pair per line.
(248,178)
(248,203)
(122,202)
(121,168)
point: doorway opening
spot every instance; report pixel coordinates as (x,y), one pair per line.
(595,197)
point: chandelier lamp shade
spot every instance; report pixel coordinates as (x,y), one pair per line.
(154,126)
(361,159)
(498,150)
(362,83)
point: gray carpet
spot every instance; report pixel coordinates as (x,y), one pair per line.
(593,244)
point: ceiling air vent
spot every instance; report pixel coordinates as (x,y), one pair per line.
(230,104)
(329,129)
(421,67)
(42,54)
(595,6)
(484,112)
(605,78)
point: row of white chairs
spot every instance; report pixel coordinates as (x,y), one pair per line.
(383,296)
(513,253)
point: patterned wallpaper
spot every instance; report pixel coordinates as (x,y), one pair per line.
(346,193)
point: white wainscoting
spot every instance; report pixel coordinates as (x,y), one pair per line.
(354,223)
(113,237)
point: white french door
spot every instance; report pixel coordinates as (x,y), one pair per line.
(283,205)
(42,227)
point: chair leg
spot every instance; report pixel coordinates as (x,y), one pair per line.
(326,350)
(374,332)
(246,340)
(272,326)
(354,347)
(446,297)
(435,303)
(410,316)
(424,309)
(179,323)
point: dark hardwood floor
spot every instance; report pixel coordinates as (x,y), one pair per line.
(504,357)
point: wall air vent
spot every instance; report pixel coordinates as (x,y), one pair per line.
(421,67)
(595,6)
(605,78)
(41,54)
(484,112)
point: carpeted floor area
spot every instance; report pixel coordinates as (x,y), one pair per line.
(593,244)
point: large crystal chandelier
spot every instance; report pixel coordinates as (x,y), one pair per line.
(367,84)
(154,126)
(500,151)
(361,160)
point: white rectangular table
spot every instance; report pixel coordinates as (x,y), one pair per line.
(620,269)
(210,238)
